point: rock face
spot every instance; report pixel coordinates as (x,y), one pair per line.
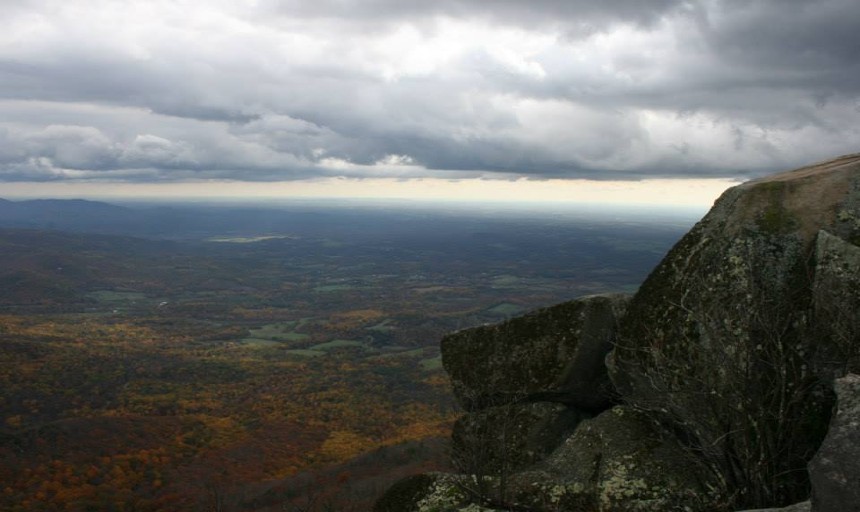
(423,493)
(804,506)
(554,354)
(431,492)
(727,337)
(725,360)
(528,382)
(835,470)
(507,438)
(404,495)
(836,303)
(618,462)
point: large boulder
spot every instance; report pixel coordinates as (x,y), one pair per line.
(433,492)
(804,506)
(411,494)
(835,470)
(503,439)
(619,461)
(723,338)
(836,305)
(725,360)
(553,354)
(404,495)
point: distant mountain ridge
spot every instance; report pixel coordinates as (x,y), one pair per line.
(64,214)
(151,221)
(304,218)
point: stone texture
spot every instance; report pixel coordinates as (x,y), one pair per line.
(507,438)
(733,339)
(405,494)
(751,250)
(836,303)
(554,354)
(430,492)
(723,331)
(804,506)
(616,462)
(835,470)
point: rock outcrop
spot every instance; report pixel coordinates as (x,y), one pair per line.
(528,382)
(725,360)
(619,461)
(554,354)
(727,337)
(407,494)
(835,470)
(804,506)
(836,303)
(511,437)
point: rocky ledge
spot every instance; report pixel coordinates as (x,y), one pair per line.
(711,389)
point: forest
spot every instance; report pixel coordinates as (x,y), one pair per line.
(241,364)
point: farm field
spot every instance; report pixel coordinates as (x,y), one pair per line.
(294,369)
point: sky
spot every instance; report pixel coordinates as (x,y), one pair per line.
(578,100)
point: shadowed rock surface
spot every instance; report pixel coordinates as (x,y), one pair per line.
(554,354)
(797,507)
(727,338)
(836,305)
(725,360)
(619,461)
(835,470)
(510,437)
(405,495)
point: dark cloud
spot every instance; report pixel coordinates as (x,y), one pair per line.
(618,89)
(579,17)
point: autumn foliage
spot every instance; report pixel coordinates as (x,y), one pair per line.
(102,414)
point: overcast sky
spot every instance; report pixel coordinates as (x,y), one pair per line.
(265,90)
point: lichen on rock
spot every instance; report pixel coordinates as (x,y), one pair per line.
(725,338)
(507,438)
(619,461)
(553,354)
(723,360)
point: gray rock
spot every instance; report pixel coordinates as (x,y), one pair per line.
(835,469)
(616,462)
(803,506)
(503,439)
(726,343)
(836,302)
(554,354)
(404,495)
(723,332)
(430,492)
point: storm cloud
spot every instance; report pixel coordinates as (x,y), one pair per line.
(268,91)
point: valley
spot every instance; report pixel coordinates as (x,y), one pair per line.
(294,367)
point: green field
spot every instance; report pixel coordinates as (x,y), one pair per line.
(258,343)
(431,364)
(282,331)
(333,344)
(115,296)
(305,353)
(248,239)
(382,326)
(334,288)
(505,309)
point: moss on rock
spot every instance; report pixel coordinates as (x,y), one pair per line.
(553,354)
(508,438)
(619,461)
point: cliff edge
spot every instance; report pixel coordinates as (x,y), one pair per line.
(718,383)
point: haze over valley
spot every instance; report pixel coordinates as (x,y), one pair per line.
(226,349)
